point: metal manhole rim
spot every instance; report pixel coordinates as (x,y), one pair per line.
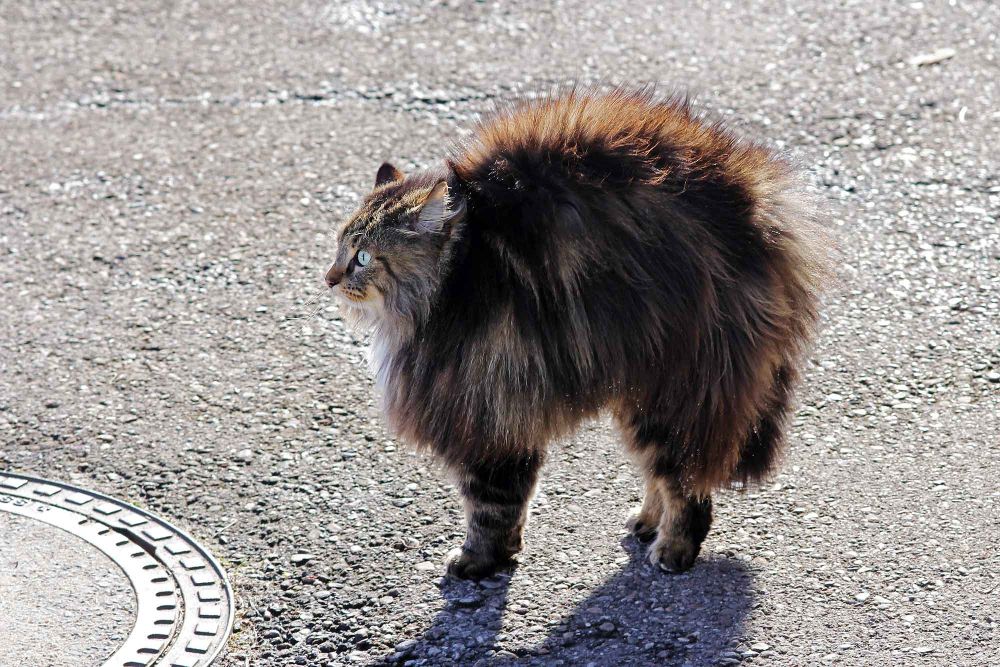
(157,557)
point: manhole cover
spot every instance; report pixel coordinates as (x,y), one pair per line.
(182,606)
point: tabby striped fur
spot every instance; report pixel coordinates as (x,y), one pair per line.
(581,253)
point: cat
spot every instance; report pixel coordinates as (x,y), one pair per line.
(581,253)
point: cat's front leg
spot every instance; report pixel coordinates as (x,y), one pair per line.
(495,496)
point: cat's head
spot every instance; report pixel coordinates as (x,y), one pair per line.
(391,251)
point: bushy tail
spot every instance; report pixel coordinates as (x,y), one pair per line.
(803,265)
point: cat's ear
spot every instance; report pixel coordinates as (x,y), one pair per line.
(434,211)
(387,174)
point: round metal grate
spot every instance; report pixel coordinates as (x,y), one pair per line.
(184,605)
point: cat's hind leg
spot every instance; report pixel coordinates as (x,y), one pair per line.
(645,520)
(496,498)
(684,523)
(678,520)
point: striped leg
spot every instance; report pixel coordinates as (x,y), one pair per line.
(496,509)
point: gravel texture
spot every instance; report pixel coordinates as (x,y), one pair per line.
(170,177)
(62,601)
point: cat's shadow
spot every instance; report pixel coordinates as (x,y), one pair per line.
(640,616)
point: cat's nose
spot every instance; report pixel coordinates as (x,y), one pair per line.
(334,276)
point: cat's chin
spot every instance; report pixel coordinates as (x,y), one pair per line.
(360,315)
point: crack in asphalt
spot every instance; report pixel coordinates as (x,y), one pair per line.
(439,101)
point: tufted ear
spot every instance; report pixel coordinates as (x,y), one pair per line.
(386,174)
(434,211)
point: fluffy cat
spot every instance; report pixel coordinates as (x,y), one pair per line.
(581,253)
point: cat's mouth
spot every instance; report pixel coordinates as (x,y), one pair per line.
(356,298)
(361,308)
(352,298)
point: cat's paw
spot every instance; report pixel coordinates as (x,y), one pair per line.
(467,565)
(640,526)
(674,553)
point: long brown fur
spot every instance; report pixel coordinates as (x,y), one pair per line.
(581,253)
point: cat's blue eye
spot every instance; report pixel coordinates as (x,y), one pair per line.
(363,257)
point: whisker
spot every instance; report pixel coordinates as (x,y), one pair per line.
(309,302)
(306,316)
(307,319)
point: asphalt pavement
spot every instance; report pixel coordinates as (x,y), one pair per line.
(170,178)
